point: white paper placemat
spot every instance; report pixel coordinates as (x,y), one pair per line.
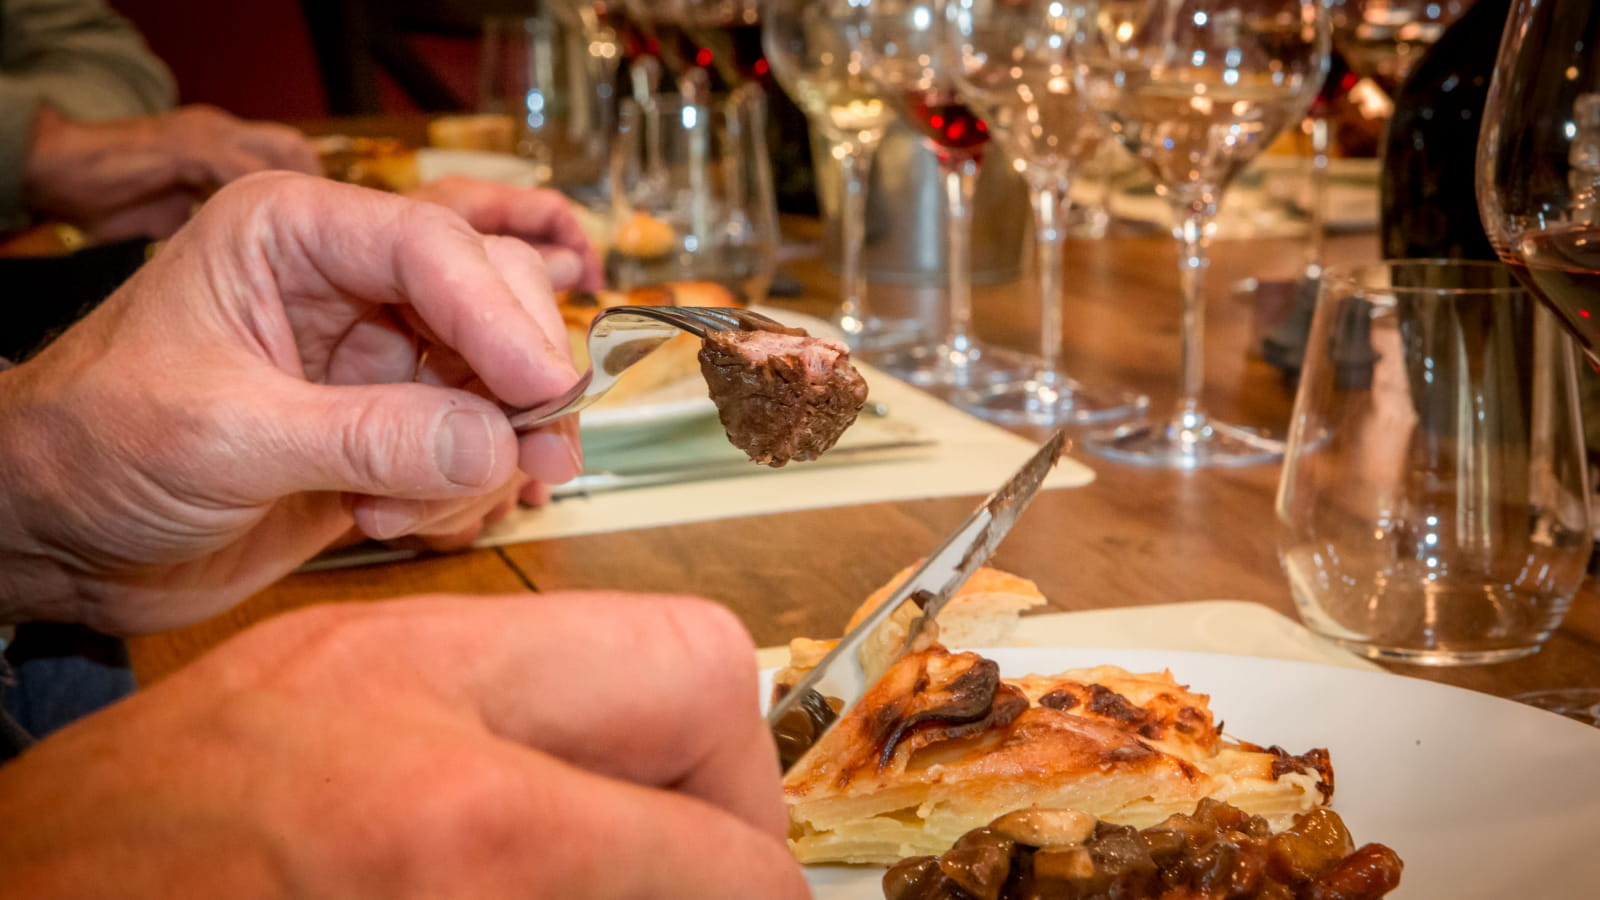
(966,456)
(959,455)
(1235,627)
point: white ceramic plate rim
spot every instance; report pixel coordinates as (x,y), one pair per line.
(1481,797)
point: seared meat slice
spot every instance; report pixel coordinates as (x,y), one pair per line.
(781,395)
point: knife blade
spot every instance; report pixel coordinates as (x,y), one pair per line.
(796,720)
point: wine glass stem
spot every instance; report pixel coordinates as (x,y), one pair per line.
(1195,212)
(855,160)
(960,183)
(1317,245)
(1050,204)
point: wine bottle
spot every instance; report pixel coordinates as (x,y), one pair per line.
(1427,195)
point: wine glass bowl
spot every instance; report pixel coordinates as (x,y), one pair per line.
(814,54)
(1383,39)
(909,59)
(1196,89)
(1539,161)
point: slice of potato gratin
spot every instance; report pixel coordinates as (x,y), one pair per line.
(941,744)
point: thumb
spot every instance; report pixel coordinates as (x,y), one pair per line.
(412,441)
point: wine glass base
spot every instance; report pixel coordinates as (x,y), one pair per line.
(1580,704)
(1190,441)
(1053,401)
(943,366)
(876,333)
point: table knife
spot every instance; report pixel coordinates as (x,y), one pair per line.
(795,725)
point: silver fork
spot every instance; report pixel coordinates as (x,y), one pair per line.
(623,335)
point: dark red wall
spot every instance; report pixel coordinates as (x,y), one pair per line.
(252,58)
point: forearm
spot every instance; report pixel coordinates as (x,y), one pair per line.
(89,62)
(18,106)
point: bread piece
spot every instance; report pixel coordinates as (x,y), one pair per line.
(983,612)
(382,163)
(673,361)
(941,745)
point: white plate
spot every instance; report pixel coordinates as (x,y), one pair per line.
(646,416)
(1482,797)
(655,414)
(434,163)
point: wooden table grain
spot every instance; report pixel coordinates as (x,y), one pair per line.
(1133,537)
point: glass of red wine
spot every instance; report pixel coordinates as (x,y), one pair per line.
(910,58)
(1016,67)
(1539,186)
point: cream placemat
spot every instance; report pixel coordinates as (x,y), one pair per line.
(964,456)
(1233,627)
(938,451)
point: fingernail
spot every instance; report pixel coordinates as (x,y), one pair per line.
(463,448)
(549,457)
(392,518)
(563,267)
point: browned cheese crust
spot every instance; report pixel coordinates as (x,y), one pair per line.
(941,744)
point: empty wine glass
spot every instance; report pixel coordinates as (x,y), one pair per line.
(811,47)
(542,71)
(1539,186)
(910,60)
(1196,89)
(1382,39)
(1015,67)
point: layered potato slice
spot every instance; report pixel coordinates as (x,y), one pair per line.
(941,745)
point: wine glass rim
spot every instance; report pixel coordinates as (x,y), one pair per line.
(1497,279)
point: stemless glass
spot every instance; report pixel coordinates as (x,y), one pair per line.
(1015,67)
(1196,89)
(1539,184)
(693,199)
(540,70)
(910,59)
(812,49)
(1433,507)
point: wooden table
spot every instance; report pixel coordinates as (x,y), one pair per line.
(1135,536)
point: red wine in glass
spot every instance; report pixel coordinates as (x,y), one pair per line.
(941,117)
(1562,266)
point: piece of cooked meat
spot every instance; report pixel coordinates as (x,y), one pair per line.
(781,395)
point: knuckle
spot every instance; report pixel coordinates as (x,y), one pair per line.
(724,655)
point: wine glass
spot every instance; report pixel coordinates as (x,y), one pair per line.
(910,60)
(1538,186)
(811,47)
(1196,89)
(693,193)
(1015,67)
(1383,39)
(542,71)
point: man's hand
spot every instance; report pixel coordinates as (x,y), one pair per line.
(542,217)
(561,746)
(302,356)
(143,177)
